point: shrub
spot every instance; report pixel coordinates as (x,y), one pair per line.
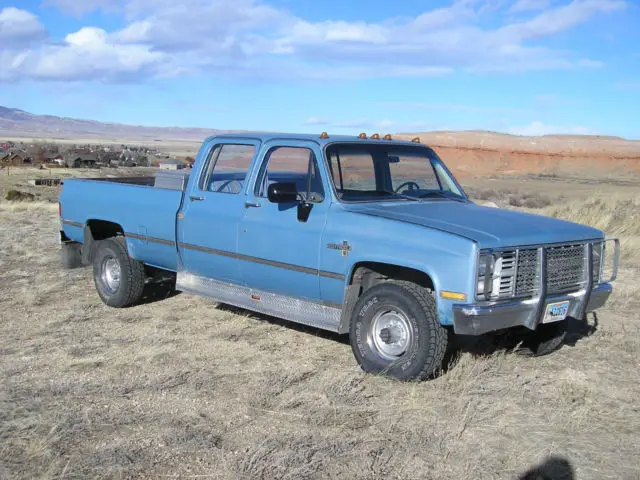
(17,196)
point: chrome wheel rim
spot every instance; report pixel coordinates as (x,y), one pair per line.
(110,274)
(390,334)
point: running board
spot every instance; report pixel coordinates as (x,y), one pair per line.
(294,309)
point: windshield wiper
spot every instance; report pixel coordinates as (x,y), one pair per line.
(441,194)
(401,195)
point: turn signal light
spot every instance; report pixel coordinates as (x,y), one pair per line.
(453,295)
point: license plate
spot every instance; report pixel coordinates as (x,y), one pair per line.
(554,312)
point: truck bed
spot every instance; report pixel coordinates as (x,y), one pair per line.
(141,205)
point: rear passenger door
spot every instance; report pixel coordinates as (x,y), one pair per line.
(212,210)
(280,252)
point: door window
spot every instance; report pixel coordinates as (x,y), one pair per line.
(292,165)
(227,168)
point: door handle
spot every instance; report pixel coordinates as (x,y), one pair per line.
(252,205)
(193,198)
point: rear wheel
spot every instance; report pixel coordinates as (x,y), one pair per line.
(119,279)
(395,331)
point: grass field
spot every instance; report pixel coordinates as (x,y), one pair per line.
(179,387)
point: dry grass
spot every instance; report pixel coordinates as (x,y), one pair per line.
(182,388)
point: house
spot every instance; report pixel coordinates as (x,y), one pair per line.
(82,160)
(17,158)
(53,159)
(171,165)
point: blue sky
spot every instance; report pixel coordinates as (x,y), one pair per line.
(517,66)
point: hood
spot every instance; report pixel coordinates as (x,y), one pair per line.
(489,227)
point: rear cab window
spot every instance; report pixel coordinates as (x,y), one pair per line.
(227,167)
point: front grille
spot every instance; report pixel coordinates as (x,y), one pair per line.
(598,251)
(528,276)
(517,271)
(508,270)
(565,266)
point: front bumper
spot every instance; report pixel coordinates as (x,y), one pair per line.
(476,319)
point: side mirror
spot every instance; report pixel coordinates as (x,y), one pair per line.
(282,192)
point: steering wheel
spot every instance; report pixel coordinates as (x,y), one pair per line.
(413,186)
(227,186)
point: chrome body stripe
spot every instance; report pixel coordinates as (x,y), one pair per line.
(263,261)
(72,223)
(239,256)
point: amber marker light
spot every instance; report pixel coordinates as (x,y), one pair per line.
(453,295)
(362,135)
(324,135)
(376,136)
(388,136)
(416,140)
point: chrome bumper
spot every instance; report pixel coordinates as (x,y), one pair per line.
(481,318)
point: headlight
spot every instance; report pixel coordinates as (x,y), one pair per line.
(486,265)
(490,284)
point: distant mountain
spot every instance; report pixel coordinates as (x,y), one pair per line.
(18,123)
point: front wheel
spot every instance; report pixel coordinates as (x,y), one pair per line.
(395,331)
(119,279)
(547,338)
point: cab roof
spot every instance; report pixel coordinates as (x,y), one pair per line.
(318,138)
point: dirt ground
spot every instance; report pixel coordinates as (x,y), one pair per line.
(179,387)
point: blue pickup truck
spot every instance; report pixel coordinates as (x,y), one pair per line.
(365,236)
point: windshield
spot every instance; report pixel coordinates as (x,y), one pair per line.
(364,172)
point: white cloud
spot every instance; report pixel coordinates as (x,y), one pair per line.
(86,54)
(256,39)
(537,128)
(528,5)
(19,28)
(559,19)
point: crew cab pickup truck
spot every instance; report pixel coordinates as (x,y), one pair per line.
(370,237)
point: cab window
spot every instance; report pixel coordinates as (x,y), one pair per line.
(227,168)
(291,165)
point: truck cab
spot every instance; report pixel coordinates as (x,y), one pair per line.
(365,236)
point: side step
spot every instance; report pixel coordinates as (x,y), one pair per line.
(294,309)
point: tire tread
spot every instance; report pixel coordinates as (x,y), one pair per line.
(135,279)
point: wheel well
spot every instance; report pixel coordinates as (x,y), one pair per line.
(101,229)
(96,230)
(368,274)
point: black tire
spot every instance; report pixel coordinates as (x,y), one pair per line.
(547,338)
(128,289)
(71,255)
(409,308)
